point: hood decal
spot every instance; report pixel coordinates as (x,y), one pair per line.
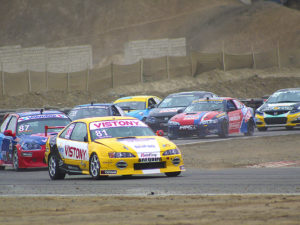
(145,147)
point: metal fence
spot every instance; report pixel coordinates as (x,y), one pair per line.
(146,70)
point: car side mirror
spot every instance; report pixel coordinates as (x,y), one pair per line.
(9,133)
(160,133)
(180,111)
(86,139)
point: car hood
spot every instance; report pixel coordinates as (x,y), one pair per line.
(279,106)
(40,139)
(144,146)
(165,111)
(134,113)
(195,118)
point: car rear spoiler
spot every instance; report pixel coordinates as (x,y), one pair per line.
(51,127)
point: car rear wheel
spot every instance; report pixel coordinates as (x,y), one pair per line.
(16,160)
(95,166)
(2,167)
(54,172)
(224,129)
(250,128)
(262,128)
(173,174)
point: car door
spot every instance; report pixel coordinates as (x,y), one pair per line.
(234,116)
(73,146)
(8,141)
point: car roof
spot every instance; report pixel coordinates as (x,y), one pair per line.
(93,104)
(189,93)
(213,99)
(104,118)
(140,97)
(33,113)
(288,89)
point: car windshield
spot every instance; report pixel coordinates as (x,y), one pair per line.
(35,126)
(134,105)
(119,129)
(177,101)
(205,106)
(284,96)
(89,111)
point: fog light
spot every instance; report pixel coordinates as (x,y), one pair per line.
(176,161)
(121,164)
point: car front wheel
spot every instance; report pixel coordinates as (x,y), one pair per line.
(224,129)
(54,172)
(262,128)
(16,160)
(173,174)
(95,166)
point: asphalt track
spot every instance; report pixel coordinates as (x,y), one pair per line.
(36,182)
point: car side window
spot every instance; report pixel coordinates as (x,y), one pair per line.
(66,134)
(231,106)
(238,104)
(115,111)
(12,124)
(79,132)
(4,124)
(151,102)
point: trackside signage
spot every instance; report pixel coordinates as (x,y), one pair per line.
(116,123)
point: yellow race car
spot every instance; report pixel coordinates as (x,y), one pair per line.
(103,146)
(138,106)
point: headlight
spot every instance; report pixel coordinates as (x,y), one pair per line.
(170,122)
(30,146)
(151,119)
(172,152)
(209,121)
(120,155)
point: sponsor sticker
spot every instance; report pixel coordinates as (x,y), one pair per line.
(41,116)
(116,123)
(187,127)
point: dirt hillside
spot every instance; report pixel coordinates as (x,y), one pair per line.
(108,25)
(245,83)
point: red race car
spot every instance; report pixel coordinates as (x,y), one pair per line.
(220,116)
(23,137)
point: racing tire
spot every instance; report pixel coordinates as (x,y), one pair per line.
(173,174)
(250,128)
(289,128)
(95,167)
(224,129)
(262,128)
(54,172)
(2,167)
(16,160)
